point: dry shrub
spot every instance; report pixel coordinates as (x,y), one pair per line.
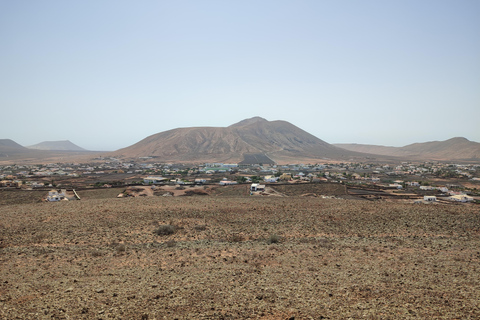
(325,243)
(165,230)
(39,237)
(171,243)
(96,253)
(201,227)
(120,248)
(236,237)
(274,238)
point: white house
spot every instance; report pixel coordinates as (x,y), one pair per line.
(461,198)
(430,198)
(443,189)
(54,195)
(227,182)
(37,185)
(257,187)
(270,179)
(426,188)
(153,180)
(395,185)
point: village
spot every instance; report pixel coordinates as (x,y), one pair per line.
(427,182)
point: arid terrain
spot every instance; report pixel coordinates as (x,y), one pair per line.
(237,257)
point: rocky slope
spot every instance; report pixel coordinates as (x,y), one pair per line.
(64,145)
(278,140)
(453,149)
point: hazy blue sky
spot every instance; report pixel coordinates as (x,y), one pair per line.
(106,74)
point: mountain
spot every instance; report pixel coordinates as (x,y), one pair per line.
(452,149)
(64,145)
(257,138)
(9,147)
(12,152)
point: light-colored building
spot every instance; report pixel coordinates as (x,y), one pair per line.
(461,198)
(443,189)
(430,198)
(270,179)
(257,187)
(395,185)
(227,182)
(153,180)
(426,188)
(54,195)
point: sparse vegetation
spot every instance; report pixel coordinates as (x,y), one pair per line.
(274,238)
(331,258)
(200,227)
(165,230)
(171,243)
(236,237)
(120,248)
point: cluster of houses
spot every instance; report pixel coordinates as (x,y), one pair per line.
(386,176)
(454,198)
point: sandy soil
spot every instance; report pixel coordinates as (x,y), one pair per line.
(239,258)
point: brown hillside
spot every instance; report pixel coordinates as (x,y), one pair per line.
(258,258)
(279,140)
(452,149)
(64,145)
(8,146)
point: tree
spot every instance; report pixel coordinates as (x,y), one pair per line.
(241,179)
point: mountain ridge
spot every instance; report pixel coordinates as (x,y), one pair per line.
(457,148)
(279,140)
(60,145)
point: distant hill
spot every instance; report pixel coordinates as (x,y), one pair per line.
(8,143)
(279,141)
(12,152)
(64,145)
(452,149)
(8,147)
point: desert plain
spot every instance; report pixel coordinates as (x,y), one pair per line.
(238,257)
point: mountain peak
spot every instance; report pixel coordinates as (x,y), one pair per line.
(249,121)
(255,137)
(63,145)
(459,139)
(10,143)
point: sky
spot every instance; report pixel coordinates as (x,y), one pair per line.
(106,74)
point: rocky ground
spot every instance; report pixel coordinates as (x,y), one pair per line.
(238,258)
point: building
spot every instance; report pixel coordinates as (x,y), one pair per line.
(430,198)
(54,195)
(153,180)
(270,179)
(395,185)
(426,188)
(8,184)
(460,198)
(257,187)
(227,182)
